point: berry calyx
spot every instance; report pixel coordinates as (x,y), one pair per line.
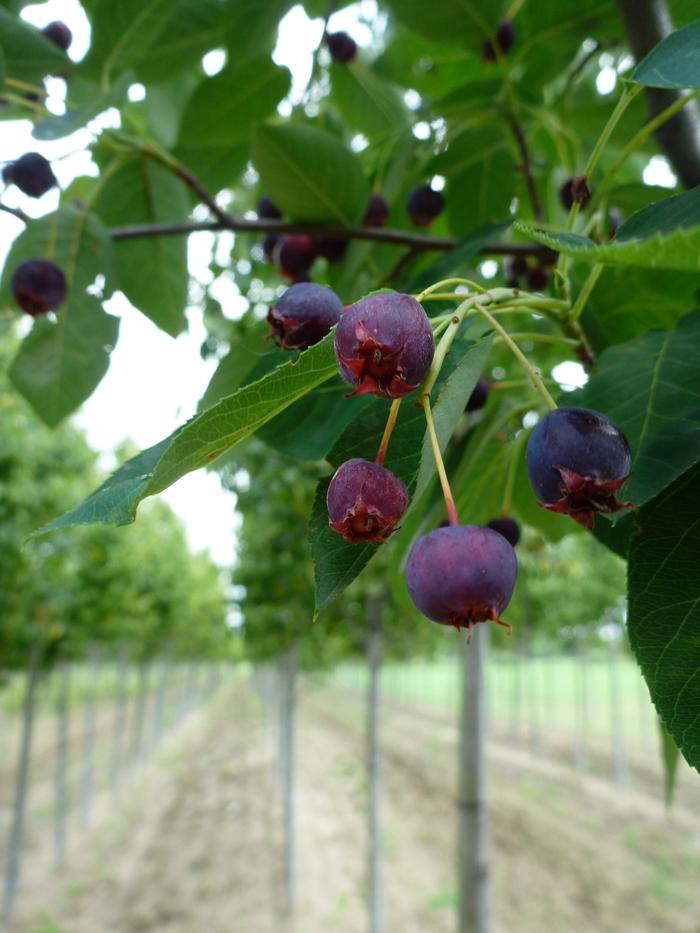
(504,41)
(342,47)
(365,501)
(58,33)
(32,174)
(377,212)
(461,575)
(577,460)
(480,393)
(507,527)
(294,255)
(304,314)
(575,191)
(424,204)
(38,286)
(384,345)
(268,209)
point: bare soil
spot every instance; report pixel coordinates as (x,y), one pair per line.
(196,845)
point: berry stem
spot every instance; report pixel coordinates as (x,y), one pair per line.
(390,424)
(444,482)
(583,296)
(535,377)
(436,286)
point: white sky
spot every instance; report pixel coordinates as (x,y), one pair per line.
(154,382)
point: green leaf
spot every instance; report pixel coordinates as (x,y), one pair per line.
(216,126)
(202,439)
(152,270)
(29,56)
(310,174)
(62,361)
(123,34)
(368,104)
(650,387)
(338,562)
(669,756)
(665,235)
(674,62)
(251,26)
(664,608)
(460,23)
(481,193)
(195,28)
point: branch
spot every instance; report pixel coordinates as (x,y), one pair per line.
(646,23)
(416,241)
(16,212)
(527,167)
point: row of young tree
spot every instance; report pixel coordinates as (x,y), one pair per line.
(140,594)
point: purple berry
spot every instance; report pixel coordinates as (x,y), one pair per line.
(575,191)
(58,33)
(342,47)
(461,575)
(537,278)
(330,249)
(377,212)
(268,209)
(504,42)
(32,174)
(39,286)
(424,205)
(365,501)
(479,395)
(507,527)
(577,460)
(303,315)
(384,345)
(294,255)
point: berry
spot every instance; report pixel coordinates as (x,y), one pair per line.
(461,575)
(384,344)
(303,315)
(342,47)
(537,278)
(268,209)
(377,212)
(32,174)
(507,527)
(365,501)
(332,250)
(424,205)
(505,40)
(294,255)
(479,395)
(577,460)
(7,173)
(268,245)
(575,191)
(59,34)
(38,286)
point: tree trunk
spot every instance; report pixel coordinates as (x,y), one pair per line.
(374,847)
(473,881)
(119,723)
(139,717)
(288,697)
(617,750)
(61,773)
(581,754)
(19,808)
(89,721)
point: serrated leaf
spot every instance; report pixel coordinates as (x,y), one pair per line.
(674,62)
(152,270)
(368,104)
(665,235)
(310,174)
(29,56)
(482,192)
(251,26)
(195,28)
(62,361)
(650,387)
(464,23)
(337,562)
(664,608)
(202,439)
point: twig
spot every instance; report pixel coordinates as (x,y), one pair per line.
(526,167)
(16,212)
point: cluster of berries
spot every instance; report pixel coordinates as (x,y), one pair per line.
(457,575)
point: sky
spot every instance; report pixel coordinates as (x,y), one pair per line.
(154,381)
